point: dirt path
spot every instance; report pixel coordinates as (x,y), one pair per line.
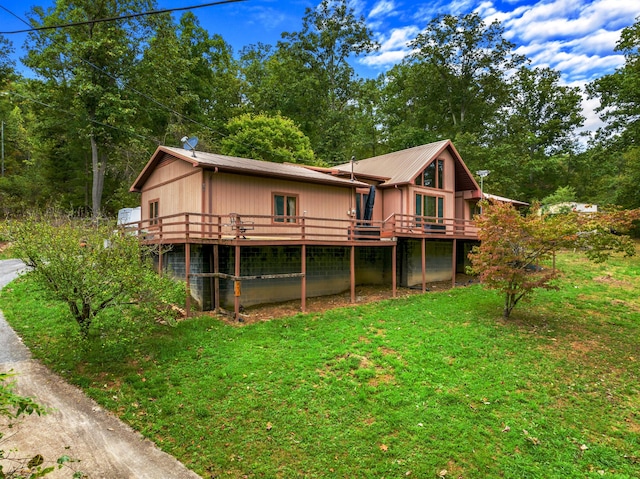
(76,426)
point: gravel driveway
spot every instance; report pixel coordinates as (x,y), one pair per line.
(76,426)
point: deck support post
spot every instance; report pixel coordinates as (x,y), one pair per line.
(216,280)
(303,270)
(160,259)
(353,274)
(187,275)
(454,263)
(237,285)
(424,265)
(394,263)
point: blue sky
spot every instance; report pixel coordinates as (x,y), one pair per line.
(575,37)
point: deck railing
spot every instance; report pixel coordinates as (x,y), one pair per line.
(200,226)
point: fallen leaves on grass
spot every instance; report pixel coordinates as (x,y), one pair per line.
(534,440)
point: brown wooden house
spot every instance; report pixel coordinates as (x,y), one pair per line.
(244,232)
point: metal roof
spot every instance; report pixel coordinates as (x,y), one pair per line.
(232,164)
(401,167)
(502,199)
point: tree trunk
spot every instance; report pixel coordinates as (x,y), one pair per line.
(99,167)
(509,303)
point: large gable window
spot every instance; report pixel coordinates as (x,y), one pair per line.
(284,208)
(430,208)
(432,176)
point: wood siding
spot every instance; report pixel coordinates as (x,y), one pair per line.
(177,186)
(254,196)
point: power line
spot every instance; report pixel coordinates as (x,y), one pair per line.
(111,19)
(144,95)
(129,87)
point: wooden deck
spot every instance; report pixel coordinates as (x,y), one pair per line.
(269,230)
(254,230)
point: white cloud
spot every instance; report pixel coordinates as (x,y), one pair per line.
(600,42)
(383,60)
(382,8)
(592,121)
(568,19)
(393,48)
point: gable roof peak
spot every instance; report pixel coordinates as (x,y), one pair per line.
(402,166)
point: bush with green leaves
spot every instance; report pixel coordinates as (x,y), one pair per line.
(91,268)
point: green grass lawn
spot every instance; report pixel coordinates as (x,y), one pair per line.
(434,385)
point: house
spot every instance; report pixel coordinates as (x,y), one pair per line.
(569,206)
(245,232)
(519,205)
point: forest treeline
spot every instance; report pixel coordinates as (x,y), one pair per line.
(104,95)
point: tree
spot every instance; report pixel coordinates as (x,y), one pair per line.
(619,92)
(309,78)
(268,138)
(90,268)
(539,122)
(406,96)
(369,137)
(7,65)
(93,63)
(464,65)
(513,247)
(564,194)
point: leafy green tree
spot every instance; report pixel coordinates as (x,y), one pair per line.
(564,194)
(369,138)
(94,62)
(309,77)
(463,66)
(90,268)
(269,138)
(406,95)
(539,122)
(7,65)
(514,246)
(22,182)
(201,94)
(165,95)
(619,92)
(614,152)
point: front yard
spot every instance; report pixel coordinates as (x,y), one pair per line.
(433,385)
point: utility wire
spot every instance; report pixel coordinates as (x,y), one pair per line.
(112,19)
(144,95)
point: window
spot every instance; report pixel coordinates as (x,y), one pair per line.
(431,207)
(153,212)
(361,202)
(432,176)
(284,208)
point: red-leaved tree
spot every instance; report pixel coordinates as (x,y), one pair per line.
(515,247)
